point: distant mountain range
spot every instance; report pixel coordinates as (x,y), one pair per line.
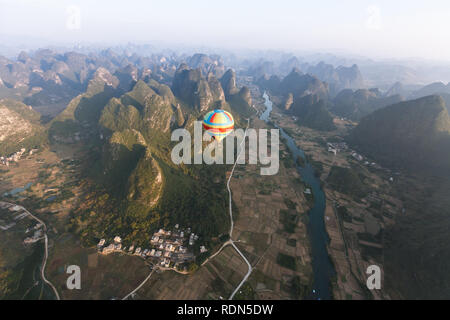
(75,87)
(207,63)
(304,96)
(356,104)
(433,88)
(337,79)
(123,110)
(48,80)
(195,89)
(348,103)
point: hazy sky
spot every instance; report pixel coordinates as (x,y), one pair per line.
(398,29)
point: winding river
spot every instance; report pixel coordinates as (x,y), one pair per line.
(322,267)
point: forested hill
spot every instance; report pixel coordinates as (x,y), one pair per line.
(413,134)
(20,127)
(130,150)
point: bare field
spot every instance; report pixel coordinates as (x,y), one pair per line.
(18,175)
(55,188)
(102,277)
(261,233)
(214,280)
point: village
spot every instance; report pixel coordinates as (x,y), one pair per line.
(167,249)
(342,147)
(15,157)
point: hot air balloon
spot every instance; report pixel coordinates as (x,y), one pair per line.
(218,123)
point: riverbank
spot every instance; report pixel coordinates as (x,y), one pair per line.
(354,223)
(323,269)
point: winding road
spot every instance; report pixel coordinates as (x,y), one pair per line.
(140,286)
(44,262)
(231,241)
(250,269)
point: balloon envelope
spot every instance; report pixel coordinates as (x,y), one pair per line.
(218,123)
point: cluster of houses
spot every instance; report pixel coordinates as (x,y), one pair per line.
(166,249)
(38,235)
(360,158)
(15,157)
(342,146)
(335,147)
(357,156)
